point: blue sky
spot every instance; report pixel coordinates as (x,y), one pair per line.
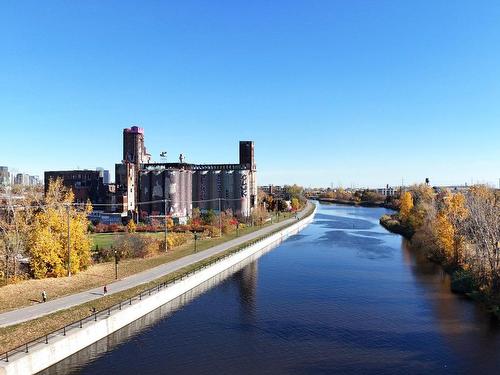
(344,92)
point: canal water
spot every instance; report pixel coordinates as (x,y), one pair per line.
(343,296)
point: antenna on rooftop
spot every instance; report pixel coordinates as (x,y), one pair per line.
(163,156)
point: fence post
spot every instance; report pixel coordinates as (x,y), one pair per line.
(7,356)
(64,331)
(95,317)
(130,302)
(80,323)
(46,339)
(26,347)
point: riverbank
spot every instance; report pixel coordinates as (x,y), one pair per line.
(461,280)
(392,224)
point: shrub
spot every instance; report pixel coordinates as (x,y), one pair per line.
(212,231)
(137,246)
(131,227)
(175,239)
(462,281)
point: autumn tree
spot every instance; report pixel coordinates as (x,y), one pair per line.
(481,228)
(16,215)
(131,226)
(445,236)
(451,213)
(406,206)
(48,242)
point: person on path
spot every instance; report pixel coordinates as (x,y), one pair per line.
(105,290)
(44,296)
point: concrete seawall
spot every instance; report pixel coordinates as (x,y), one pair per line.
(41,356)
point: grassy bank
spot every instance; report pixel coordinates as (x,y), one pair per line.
(16,335)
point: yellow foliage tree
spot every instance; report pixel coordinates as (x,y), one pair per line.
(48,242)
(455,207)
(295,204)
(131,227)
(445,235)
(406,206)
(448,219)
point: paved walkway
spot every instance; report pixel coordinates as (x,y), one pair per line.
(36,311)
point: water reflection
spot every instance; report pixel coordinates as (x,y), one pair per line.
(468,329)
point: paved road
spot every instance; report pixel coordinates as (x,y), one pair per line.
(36,311)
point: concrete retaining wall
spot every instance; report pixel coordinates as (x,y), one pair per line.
(43,355)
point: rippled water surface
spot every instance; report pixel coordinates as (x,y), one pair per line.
(343,296)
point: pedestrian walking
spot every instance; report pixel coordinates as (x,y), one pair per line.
(105,289)
(44,296)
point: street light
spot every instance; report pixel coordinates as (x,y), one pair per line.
(117,259)
(195,239)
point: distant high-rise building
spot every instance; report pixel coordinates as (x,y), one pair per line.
(104,174)
(34,180)
(22,179)
(105,177)
(4,176)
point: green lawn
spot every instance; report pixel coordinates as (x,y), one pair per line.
(105,240)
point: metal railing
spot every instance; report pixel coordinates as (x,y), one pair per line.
(105,313)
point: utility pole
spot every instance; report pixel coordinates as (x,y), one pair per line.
(68,240)
(166,225)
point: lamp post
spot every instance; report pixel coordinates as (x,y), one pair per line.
(195,239)
(117,259)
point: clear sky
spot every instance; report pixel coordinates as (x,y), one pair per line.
(344,92)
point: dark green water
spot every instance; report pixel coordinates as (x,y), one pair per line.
(343,296)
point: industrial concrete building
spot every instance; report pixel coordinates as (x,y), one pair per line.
(143,187)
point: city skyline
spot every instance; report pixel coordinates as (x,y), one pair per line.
(351,94)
